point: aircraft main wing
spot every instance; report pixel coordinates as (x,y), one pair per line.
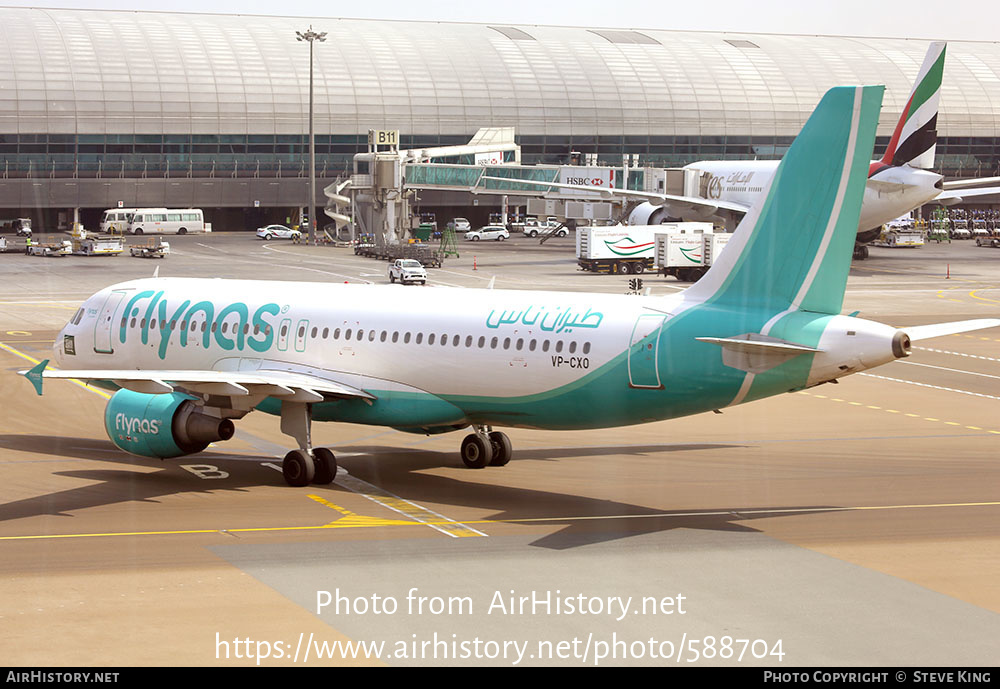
(959,194)
(706,206)
(965,183)
(292,386)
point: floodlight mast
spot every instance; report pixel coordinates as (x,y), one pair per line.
(311,36)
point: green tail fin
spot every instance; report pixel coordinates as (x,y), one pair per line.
(793,250)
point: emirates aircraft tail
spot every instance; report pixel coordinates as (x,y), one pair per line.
(915,139)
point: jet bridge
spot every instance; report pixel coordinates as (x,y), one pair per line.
(379,195)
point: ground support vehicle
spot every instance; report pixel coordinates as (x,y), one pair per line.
(407,270)
(89,244)
(21,227)
(989,240)
(152,248)
(64,248)
(390,252)
(902,237)
(621,249)
(424,253)
(688,252)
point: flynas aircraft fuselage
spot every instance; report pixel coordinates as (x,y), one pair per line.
(454,357)
(187,357)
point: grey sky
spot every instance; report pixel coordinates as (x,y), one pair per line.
(957,19)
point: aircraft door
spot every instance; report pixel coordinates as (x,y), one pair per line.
(105,323)
(643,364)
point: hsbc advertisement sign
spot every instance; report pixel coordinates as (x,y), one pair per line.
(489,159)
(602,177)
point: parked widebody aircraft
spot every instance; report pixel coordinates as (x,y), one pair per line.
(187,357)
(897,182)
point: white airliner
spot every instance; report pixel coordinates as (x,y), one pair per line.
(897,184)
(188,356)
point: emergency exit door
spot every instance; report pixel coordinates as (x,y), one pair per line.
(643,352)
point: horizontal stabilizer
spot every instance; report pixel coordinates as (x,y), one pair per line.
(756,353)
(35,375)
(925,332)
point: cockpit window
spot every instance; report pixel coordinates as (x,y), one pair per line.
(77,317)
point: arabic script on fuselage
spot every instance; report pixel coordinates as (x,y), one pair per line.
(556,320)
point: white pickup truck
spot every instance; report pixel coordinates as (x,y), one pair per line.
(407,270)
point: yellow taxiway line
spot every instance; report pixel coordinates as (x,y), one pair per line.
(357,521)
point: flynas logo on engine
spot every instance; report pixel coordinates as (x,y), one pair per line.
(133,424)
(191,321)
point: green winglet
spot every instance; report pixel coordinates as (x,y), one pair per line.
(35,375)
(853,315)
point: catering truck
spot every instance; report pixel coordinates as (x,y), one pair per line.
(617,249)
(625,249)
(688,250)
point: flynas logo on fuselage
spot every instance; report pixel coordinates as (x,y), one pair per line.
(190,321)
(558,319)
(626,246)
(133,424)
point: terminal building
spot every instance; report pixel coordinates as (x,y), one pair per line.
(102,108)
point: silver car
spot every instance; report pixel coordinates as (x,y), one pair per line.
(277,232)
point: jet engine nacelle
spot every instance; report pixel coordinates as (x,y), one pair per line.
(164,426)
(648,214)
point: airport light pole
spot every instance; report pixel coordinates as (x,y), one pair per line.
(312,37)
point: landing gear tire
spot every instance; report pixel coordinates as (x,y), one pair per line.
(860,251)
(298,468)
(502,449)
(326,466)
(476,452)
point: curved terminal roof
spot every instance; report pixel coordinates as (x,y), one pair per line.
(117,72)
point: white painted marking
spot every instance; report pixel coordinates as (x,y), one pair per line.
(205,471)
(934,387)
(968,356)
(951,370)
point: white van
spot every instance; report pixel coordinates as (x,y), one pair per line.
(116,219)
(166,221)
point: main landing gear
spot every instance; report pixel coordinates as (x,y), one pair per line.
(300,467)
(486,446)
(308,464)
(318,465)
